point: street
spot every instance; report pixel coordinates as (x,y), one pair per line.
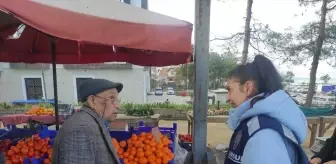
(172,98)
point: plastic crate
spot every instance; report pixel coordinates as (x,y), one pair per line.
(15,134)
(171,132)
(34,160)
(186,145)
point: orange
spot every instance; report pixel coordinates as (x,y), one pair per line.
(140,154)
(153,149)
(133,148)
(133,152)
(120,151)
(142,134)
(165,159)
(159,154)
(122,144)
(165,150)
(115,144)
(152,144)
(158,161)
(142,138)
(130,157)
(159,146)
(148,153)
(151,158)
(149,136)
(139,150)
(165,142)
(137,144)
(170,155)
(126,154)
(134,137)
(147,147)
(143,161)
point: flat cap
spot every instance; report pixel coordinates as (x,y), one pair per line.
(95,86)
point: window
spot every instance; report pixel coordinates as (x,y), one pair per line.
(79,80)
(34,88)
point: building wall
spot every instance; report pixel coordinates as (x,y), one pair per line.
(12,82)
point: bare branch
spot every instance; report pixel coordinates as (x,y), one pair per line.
(331,8)
(228,38)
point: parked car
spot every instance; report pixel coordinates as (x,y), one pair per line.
(158,91)
(170,91)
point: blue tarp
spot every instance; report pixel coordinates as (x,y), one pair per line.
(32,102)
(316,112)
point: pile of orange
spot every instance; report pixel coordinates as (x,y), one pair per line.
(30,147)
(144,149)
(40,111)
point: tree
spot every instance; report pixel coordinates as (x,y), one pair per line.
(315,40)
(219,67)
(289,77)
(317,53)
(325,78)
(241,36)
(247,31)
(186,72)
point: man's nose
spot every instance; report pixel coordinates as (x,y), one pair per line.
(117,105)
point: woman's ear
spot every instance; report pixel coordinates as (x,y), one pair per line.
(249,88)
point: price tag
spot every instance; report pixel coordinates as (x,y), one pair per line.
(156,134)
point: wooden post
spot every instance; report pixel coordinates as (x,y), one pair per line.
(313,135)
(321,127)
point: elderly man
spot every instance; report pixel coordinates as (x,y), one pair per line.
(84,137)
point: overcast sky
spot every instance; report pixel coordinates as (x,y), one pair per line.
(228,17)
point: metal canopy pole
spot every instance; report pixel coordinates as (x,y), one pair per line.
(202,30)
(53,57)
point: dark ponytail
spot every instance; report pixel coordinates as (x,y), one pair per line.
(262,72)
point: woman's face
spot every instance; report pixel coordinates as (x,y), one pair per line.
(238,93)
(107,104)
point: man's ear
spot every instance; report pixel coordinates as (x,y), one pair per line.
(91,102)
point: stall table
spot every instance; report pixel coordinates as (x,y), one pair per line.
(15,119)
(315,124)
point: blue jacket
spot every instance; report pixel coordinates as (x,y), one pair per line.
(268,146)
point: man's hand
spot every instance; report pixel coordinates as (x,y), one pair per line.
(316,161)
(330,162)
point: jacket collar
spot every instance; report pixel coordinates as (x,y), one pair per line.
(103,130)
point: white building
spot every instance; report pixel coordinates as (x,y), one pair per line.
(25,81)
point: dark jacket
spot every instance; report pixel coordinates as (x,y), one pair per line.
(328,151)
(2,159)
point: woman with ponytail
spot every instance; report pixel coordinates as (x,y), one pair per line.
(268,125)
